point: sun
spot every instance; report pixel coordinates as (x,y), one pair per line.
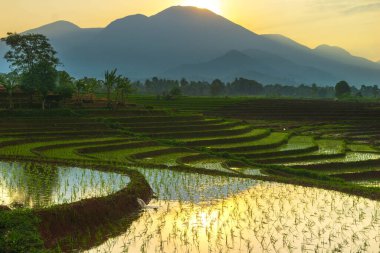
(212,5)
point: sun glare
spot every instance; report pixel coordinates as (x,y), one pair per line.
(212,5)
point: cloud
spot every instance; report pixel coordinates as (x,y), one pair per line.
(347,7)
(363,8)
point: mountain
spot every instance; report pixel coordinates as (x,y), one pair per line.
(55,29)
(262,66)
(198,43)
(335,60)
(341,55)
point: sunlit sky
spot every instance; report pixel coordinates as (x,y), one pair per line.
(351,24)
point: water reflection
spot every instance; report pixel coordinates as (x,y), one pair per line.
(268,217)
(174,185)
(369,183)
(34,185)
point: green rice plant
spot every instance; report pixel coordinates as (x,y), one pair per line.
(166,159)
(26,149)
(369,183)
(69,150)
(362,148)
(268,217)
(123,155)
(211,164)
(254,134)
(349,157)
(273,140)
(32,185)
(296,145)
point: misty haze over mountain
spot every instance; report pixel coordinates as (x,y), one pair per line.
(199,45)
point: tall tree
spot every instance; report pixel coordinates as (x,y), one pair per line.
(85,85)
(376,91)
(90,85)
(32,53)
(217,87)
(110,80)
(183,82)
(27,50)
(123,89)
(342,89)
(42,77)
(10,82)
(79,88)
(174,93)
(65,85)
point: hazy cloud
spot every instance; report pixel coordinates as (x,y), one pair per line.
(345,7)
(363,8)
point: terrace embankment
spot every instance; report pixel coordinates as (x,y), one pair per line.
(280,139)
(84,217)
(159,137)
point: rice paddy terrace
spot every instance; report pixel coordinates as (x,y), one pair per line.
(217,174)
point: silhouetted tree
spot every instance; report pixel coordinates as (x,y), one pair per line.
(86,85)
(27,50)
(217,88)
(244,86)
(28,55)
(174,93)
(123,89)
(91,85)
(10,82)
(65,85)
(110,81)
(369,91)
(376,91)
(42,77)
(79,89)
(184,82)
(342,89)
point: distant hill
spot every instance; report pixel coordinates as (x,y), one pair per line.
(254,64)
(56,29)
(341,55)
(199,44)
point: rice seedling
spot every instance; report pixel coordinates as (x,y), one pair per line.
(369,183)
(205,173)
(347,158)
(362,148)
(260,218)
(32,185)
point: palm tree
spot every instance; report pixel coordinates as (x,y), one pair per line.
(79,88)
(123,88)
(110,80)
(10,82)
(91,84)
(65,85)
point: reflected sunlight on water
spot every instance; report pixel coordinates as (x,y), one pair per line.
(34,185)
(268,217)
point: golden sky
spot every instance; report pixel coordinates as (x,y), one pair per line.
(351,24)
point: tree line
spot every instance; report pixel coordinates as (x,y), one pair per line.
(164,88)
(34,64)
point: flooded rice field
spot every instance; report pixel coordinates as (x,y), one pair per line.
(30,185)
(217,214)
(195,188)
(369,183)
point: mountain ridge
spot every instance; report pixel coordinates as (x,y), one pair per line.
(254,64)
(142,47)
(56,28)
